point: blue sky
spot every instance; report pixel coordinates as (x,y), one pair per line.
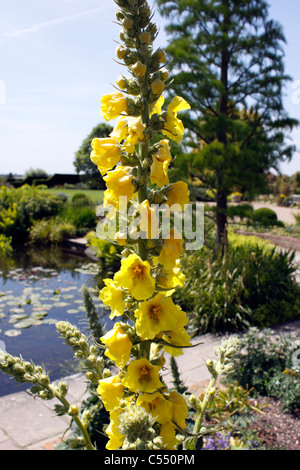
(57,61)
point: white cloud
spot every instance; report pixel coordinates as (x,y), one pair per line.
(45,24)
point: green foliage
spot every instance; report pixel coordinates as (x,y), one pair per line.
(81,200)
(82,217)
(233,77)
(5,246)
(22,207)
(265,217)
(36,173)
(253,285)
(106,251)
(51,231)
(262,363)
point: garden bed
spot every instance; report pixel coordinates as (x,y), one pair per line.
(277,429)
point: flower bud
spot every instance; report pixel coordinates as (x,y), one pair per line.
(139,69)
(122,82)
(73,410)
(160,56)
(145,37)
(121,52)
(157,87)
(128,22)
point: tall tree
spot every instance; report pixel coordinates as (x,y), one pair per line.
(227,62)
(83,163)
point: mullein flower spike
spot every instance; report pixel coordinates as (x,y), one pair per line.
(144,414)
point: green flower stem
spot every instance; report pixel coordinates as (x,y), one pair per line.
(76,418)
(142,176)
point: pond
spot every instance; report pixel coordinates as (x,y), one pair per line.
(39,287)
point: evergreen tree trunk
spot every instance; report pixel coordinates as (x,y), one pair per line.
(221,219)
(221,198)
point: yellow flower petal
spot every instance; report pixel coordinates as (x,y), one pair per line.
(119,182)
(119,345)
(160,408)
(116,439)
(173,126)
(160,165)
(112,105)
(111,391)
(106,154)
(113,296)
(179,408)
(156,315)
(171,249)
(135,275)
(168,435)
(178,194)
(142,376)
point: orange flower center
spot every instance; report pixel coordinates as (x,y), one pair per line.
(155,312)
(138,272)
(144,373)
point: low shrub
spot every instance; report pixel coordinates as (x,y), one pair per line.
(106,251)
(81,200)
(22,207)
(83,218)
(51,231)
(253,285)
(264,363)
(265,217)
(5,246)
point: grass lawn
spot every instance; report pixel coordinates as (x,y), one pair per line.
(94,194)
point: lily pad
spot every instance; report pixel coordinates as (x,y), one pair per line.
(72,310)
(21,316)
(23,324)
(61,304)
(12,333)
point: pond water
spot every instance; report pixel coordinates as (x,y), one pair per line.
(39,287)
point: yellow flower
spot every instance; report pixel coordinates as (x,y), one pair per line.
(171,249)
(179,408)
(135,276)
(170,278)
(111,202)
(106,154)
(119,345)
(168,435)
(177,337)
(142,376)
(173,126)
(149,223)
(112,105)
(131,129)
(111,391)
(178,193)
(156,315)
(116,439)
(157,106)
(113,296)
(119,182)
(160,408)
(160,165)
(120,131)
(135,133)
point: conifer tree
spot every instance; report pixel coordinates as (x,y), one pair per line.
(227,60)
